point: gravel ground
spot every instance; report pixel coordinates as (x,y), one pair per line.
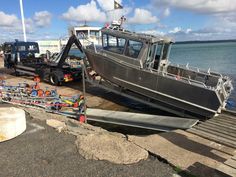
(45,152)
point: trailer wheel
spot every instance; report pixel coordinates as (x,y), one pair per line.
(54,80)
(16,72)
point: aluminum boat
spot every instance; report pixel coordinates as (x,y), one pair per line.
(139,63)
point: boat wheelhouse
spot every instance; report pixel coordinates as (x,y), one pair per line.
(87,34)
(139,63)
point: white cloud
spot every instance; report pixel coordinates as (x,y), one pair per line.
(88,12)
(188,30)
(176,30)
(154,32)
(107,5)
(11,27)
(203,6)
(143,16)
(42,18)
(7,20)
(166,12)
(220,16)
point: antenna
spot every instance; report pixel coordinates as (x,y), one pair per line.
(23,19)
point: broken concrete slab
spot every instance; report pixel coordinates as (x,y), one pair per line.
(99,144)
(59,125)
(76,128)
(184,150)
(112,147)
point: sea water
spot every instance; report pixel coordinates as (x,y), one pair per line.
(219,57)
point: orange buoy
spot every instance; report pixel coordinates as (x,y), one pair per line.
(36,79)
(82,118)
(40,93)
(47,93)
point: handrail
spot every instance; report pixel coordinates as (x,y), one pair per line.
(190,81)
(196,69)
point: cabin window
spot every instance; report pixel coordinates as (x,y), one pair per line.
(133,48)
(152,53)
(82,34)
(94,33)
(165,51)
(32,47)
(21,48)
(104,41)
(7,48)
(113,44)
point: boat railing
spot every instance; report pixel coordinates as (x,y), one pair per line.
(198,70)
(180,78)
(190,81)
(225,86)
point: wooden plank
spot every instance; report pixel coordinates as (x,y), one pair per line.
(213,137)
(220,125)
(229,113)
(220,122)
(227,170)
(231,163)
(225,136)
(216,147)
(219,129)
(230,121)
(228,116)
(234,157)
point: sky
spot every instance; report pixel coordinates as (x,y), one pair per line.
(180,19)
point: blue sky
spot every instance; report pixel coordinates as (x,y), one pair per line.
(180,19)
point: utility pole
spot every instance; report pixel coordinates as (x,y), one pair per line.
(84,91)
(23,19)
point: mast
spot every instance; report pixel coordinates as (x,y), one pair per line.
(23,19)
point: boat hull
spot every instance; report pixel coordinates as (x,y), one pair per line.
(169,92)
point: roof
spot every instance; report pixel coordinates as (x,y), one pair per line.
(136,36)
(81,28)
(21,43)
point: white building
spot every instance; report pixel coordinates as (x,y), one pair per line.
(54,46)
(86,34)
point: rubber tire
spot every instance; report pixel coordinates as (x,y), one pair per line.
(16,73)
(53,79)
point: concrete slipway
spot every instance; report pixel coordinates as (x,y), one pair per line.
(207,149)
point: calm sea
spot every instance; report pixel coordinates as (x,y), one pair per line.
(219,57)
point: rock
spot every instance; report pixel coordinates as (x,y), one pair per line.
(56,124)
(113,147)
(76,128)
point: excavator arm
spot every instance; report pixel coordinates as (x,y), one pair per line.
(72,40)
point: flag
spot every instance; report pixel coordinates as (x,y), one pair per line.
(117,5)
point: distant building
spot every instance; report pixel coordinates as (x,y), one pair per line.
(54,46)
(86,34)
